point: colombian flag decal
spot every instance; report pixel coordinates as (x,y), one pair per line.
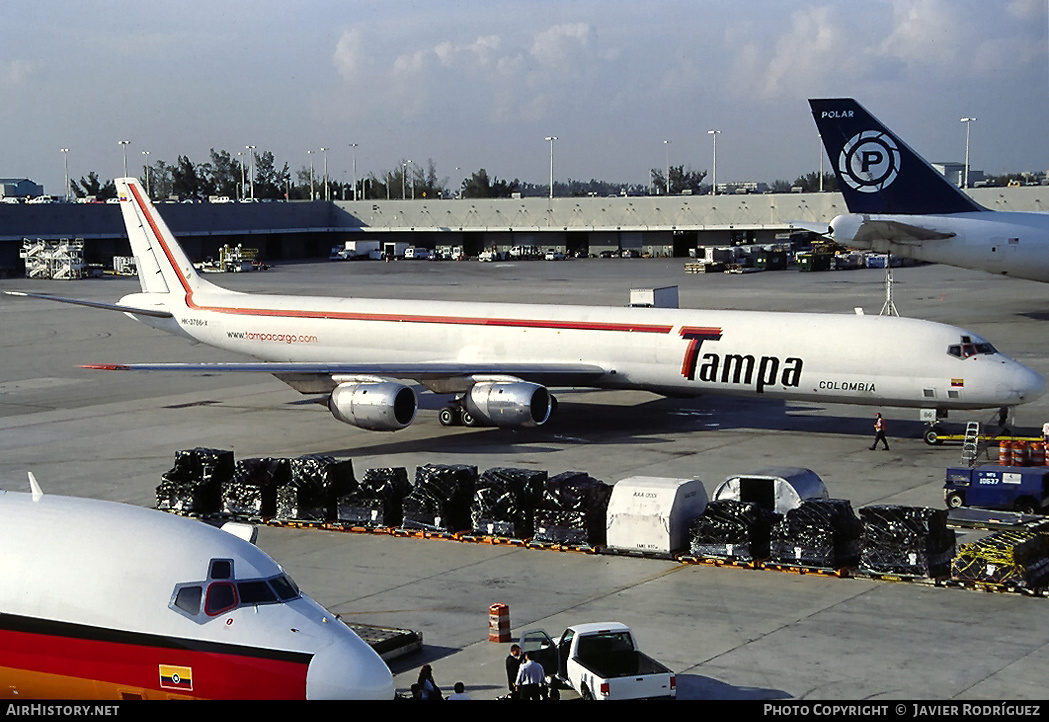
(174,677)
(957,383)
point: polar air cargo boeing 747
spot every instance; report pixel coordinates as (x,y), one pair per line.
(102,600)
(498,358)
(901,205)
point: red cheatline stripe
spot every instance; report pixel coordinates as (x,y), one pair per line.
(347,316)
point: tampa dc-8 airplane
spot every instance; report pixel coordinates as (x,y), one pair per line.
(900,204)
(102,600)
(499,359)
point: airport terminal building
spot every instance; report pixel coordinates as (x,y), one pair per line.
(671,226)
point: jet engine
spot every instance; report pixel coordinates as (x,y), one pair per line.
(518,403)
(373,405)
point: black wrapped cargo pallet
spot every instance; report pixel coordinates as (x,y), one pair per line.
(440,498)
(732,530)
(819,534)
(504,501)
(906,542)
(193,486)
(1012,560)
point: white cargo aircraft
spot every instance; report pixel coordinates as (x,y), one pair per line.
(498,358)
(102,600)
(899,204)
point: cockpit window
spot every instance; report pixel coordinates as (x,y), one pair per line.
(188,599)
(221,569)
(969,349)
(222,596)
(256,592)
(284,587)
(218,596)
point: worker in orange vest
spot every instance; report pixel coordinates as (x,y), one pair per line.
(879,433)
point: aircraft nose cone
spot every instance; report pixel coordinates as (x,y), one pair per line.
(348,669)
(1030,384)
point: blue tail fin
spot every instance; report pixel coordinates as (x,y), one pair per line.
(877,172)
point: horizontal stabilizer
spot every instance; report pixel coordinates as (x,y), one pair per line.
(897,232)
(154,312)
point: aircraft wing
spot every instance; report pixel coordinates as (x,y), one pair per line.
(154,312)
(897,232)
(441,376)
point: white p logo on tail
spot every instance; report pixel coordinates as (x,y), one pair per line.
(869,162)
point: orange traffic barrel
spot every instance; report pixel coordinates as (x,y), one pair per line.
(1019,453)
(499,623)
(1037,453)
(1005,453)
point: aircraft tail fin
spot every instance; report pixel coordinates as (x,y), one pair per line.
(163,266)
(877,172)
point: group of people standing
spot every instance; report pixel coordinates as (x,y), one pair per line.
(525,679)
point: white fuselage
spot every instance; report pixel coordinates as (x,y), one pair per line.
(798,356)
(1009,243)
(89,608)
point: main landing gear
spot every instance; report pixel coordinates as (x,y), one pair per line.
(455,414)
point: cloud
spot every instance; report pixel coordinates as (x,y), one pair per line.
(15,72)
(349,56)
(556,45)
(815,52)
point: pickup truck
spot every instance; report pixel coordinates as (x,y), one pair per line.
(600,661)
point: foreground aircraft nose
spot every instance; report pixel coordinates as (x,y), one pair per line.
(348,669)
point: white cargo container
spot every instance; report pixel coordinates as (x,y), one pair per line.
(665,297)
(777,489)
(653,514)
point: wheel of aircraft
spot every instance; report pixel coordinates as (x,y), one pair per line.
(469,419)
(448,416)
(932,436)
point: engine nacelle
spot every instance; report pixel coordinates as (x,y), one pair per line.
(378,405)
(518,403)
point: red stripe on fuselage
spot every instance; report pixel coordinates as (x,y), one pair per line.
(402,318)
(217,674)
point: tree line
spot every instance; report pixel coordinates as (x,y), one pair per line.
(261,178)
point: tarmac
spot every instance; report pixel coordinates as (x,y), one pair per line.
(728,632)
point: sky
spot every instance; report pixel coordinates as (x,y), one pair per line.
(481,84)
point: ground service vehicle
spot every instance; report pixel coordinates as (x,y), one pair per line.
(1011,488)
(600,661)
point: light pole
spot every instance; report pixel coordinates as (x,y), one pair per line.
(251,159)
(310,153)
(354,146)
(968,122)
(666,145)
(550,139)
(714,166)
(124,144)
(146,153)
(65,156)
(325,152)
